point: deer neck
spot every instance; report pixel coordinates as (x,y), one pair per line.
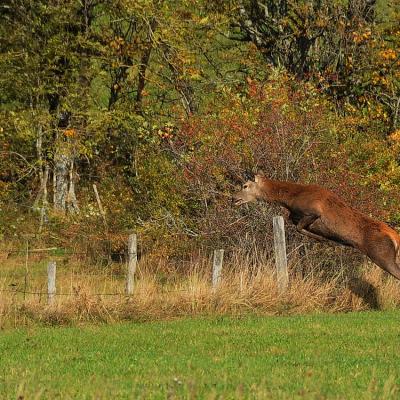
(277,191)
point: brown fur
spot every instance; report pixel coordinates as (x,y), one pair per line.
(322,215)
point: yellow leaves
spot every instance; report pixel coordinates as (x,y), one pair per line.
(364,100)
(359,37)
(391,175)
(195,76)
(166,132)
(350,108)
(395,136)
(367,34)
(117,43)
(193,73)
(204,21)
(388,55)
(349,63)
(71,132)
(379,80)
(380,113)
(375,78)
(187,58)
(322,22)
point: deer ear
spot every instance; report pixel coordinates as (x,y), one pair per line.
(259,175)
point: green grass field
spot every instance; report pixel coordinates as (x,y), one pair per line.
(344,356)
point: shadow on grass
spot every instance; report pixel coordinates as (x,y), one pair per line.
(366,291)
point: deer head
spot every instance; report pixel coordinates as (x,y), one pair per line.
(250,192)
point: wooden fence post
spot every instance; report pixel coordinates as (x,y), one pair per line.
(280,253)
(132,262)
(217,267)
(51,282)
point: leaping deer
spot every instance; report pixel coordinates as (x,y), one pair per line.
(322,215)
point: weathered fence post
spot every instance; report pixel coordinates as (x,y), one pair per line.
(217,267)
(280,253)
(132,262)
(51,282)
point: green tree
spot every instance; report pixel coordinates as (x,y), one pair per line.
(340,45)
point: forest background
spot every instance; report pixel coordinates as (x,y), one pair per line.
(168,106)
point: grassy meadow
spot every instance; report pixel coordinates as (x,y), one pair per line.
(319,356)
(177,337)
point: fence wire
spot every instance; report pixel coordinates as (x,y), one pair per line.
(64,253)
(53,254)
(77,294)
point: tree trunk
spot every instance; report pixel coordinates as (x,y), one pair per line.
(43,210)
(72,203)
(144,62)
(41,196)
(61,175)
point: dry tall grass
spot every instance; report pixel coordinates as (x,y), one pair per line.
(88,294)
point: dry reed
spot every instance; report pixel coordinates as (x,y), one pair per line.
(99,296)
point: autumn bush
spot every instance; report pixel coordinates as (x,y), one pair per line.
(282,127)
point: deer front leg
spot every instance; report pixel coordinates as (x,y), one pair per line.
(304,223)
(314,236)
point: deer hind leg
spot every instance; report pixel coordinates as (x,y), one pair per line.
(396,264)
(389,266)
(397,250)
(385,253)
